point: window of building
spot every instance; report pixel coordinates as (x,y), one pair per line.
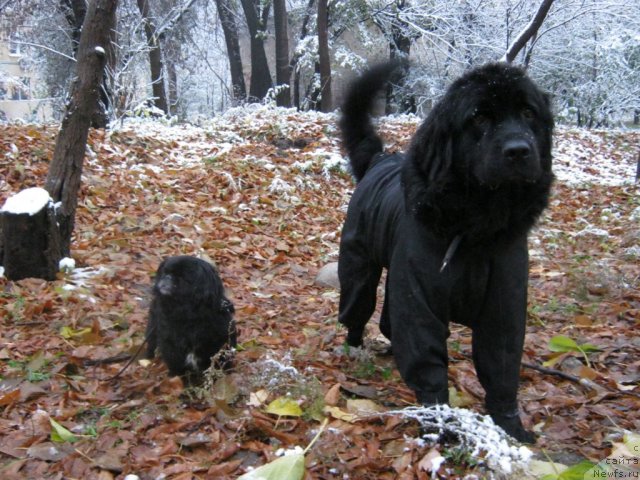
(14,48)
(21,90)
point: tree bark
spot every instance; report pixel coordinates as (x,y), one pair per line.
(304,30)
(155,58)
(399,49)
(260,74)
(75,12)
(230,30)
(283,69)
(65,171)
(530,31)
(323,52)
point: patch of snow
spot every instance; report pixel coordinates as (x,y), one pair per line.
(278,185)
(580,156)
(1,271)
(79,276)
(282,452)
(632,252)
(477,433)
(593,231)
(28,201)
(67,265)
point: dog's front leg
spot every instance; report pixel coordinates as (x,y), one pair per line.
(498,338)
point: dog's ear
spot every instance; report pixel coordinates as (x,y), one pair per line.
(209,286)
(429,163)
(431,150)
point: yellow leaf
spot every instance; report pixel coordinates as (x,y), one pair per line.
(289,467)
(68,332)
(60,434)
(284,406)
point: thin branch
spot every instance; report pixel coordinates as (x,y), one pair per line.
(529,32)
(173,17)
(44,47)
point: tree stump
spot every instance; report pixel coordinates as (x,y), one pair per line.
(31,241)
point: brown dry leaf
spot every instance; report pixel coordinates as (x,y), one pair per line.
(432,461)
(332,397)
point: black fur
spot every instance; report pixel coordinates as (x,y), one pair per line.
(190,319)
(449,220)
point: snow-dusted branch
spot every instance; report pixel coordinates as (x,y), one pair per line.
(529,31)
(44,47)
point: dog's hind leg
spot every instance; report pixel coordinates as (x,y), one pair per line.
(359,279)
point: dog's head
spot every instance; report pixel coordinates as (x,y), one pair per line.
(187,278)
(492,128)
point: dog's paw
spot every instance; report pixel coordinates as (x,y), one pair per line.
(511,423)
(354,338)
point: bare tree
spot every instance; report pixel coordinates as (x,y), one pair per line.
(283,69)
(325,60)
(230,30)
(260,75)
(65,171)
(155,58)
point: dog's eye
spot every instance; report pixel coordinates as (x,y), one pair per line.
(528,114)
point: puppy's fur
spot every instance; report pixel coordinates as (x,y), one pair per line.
(190,319)
(449,220)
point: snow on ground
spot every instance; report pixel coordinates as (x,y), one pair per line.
(579,156)
(584,156)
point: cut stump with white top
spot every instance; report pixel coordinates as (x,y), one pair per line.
(30,241)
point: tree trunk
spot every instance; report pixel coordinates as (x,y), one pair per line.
(172,94)
(325,61)
(530,31)
(283,69)
(399,100)
(75,12)
(294,61)
(65,171)
(155,58)
(260,75)
(230,30)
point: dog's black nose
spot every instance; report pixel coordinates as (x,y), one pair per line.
(515,150)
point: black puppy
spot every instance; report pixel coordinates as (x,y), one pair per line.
(190,319)
(449,220)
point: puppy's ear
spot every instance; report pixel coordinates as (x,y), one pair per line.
(161,266)
(208,287)
(431,150)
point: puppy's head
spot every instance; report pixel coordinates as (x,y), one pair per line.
(187,278)
(492,128)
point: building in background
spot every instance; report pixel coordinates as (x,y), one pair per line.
(19,86)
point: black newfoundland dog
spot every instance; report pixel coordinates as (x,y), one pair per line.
(190,319)
(449,220)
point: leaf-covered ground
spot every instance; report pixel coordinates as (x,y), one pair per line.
(262,194)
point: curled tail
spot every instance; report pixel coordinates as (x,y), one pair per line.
(358,135)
